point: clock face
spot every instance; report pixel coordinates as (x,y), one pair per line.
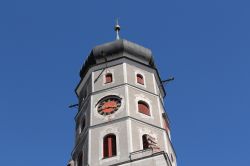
(109,105)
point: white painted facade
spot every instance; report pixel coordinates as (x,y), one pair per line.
(127,123)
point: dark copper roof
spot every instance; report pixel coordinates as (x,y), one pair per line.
(117,49)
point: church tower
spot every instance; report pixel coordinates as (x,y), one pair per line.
(121,118)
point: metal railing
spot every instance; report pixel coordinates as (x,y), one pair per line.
(140,153)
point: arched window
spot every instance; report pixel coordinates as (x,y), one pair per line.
(108,78)
(79,160)
(143,108)
(149,142)
(140,79)
(109,146)
(145,142)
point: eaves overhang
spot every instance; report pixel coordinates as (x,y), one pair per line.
(116,49)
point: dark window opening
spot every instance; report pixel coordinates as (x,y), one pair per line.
(109,146)
(108,78)
(140,79)
(79,160)
(143,108)
(145,142)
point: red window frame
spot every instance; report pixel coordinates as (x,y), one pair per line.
(143,108)
(139,79)
(109,146)
(108,78)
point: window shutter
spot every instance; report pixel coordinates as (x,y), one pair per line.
(105,148)
(109,146)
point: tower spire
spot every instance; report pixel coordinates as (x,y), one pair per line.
(117,29)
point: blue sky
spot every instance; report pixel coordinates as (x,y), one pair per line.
(204,44)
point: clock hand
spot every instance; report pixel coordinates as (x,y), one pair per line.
(102,108)
(109,107)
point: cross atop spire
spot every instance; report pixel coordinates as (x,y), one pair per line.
(117,29)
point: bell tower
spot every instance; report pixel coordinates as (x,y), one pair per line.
(121,118)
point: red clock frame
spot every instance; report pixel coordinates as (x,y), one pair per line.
(108,105)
